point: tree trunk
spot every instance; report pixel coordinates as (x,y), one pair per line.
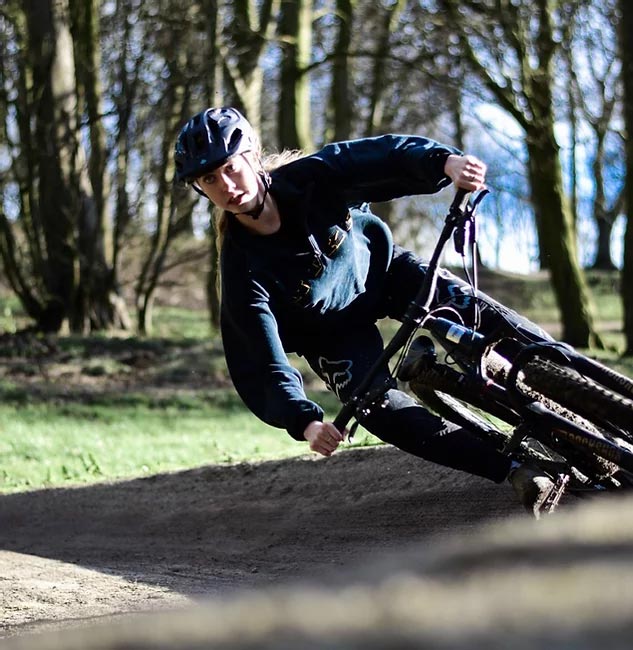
(88,57)
(594,91)
(603,260)
(340,105)
(97,305)
(251,30)
(375,116)
(294,127)
(166,206)
(127,84)
(626,29)
(56,150)
(66,276)
(214,93)
(15,270)
(603,218)
(558,240)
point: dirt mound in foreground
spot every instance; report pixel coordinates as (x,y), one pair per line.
(368,549)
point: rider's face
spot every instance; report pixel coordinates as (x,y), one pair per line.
(233,186)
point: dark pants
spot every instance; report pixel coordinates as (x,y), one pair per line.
(344,360)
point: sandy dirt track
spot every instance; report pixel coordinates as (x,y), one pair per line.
(369,549)
(164,541)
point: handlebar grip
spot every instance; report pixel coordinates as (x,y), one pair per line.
(460,202)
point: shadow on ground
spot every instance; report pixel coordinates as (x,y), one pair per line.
(168,539)
(564,582)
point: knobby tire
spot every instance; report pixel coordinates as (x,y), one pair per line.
(440,388)
(581,395)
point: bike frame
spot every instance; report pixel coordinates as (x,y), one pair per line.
(530,415)
(460,212)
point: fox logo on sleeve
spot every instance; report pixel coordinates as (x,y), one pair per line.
(337,374)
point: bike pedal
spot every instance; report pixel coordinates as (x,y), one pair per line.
(549,505)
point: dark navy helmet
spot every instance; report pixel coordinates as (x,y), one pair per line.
(209,139)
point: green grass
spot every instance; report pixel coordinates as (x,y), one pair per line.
(168,322)
(46,444)
(12,316)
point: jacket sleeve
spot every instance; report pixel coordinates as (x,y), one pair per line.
(257,363)
(385,167)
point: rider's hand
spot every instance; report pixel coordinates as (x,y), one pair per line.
(467,172)
(323,437)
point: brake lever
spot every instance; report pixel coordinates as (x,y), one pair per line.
(464,217)
(462,230)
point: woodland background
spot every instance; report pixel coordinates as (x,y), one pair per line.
(92,95)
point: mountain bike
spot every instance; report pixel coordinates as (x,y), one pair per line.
(537,399)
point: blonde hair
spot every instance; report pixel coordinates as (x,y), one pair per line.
(266,163)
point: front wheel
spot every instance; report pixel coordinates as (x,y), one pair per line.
(469,402)
(606,409)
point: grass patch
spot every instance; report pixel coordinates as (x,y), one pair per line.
(52,443)
(12,315)
(46,445)
(177,322)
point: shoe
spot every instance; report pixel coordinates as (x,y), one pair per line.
(533,487)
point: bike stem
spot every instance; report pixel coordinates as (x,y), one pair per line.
(418,309)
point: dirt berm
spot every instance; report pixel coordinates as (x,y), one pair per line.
(369,549)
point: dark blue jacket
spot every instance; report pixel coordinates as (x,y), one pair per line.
(323,269)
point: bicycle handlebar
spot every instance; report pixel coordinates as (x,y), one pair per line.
(460,202)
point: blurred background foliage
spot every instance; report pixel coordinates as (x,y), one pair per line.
(92,95)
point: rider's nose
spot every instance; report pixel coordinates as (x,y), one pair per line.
(227,182)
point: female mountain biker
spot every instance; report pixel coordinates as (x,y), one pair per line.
(307,268)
